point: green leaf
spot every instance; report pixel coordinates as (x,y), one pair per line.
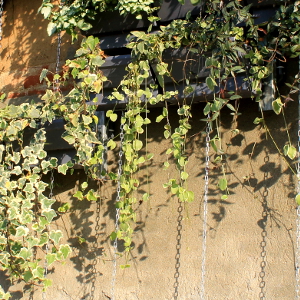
(234,97)
(43,74)
(210,83)
(207,109)
(149,156)
(111,144)
(190,196)
(161,80)
(169,151)
(49,214)
(137,145)
(4,258)
(141,160)
(38,272)
(53,162)
(63,169)
(108,113)
(29,188)
(98,61)
(4,296)
(47,283)
(213,145)
(223,184)
(2,96)
(230,107)
(46,11)
(55,236)
(25,253)
(51,258)
(63,208)
(277,106)
(285,149)
(295,48)
(166,164)
(146,197)
(69,138)
(27,276)
(22,231)
(81,240)
(124,266)
(138,34)
(258,121)
(118,96)
(159,118)
(184,175)
(32,241)
(167,134)
(113,117)
(297,199)
(91,195)
(78,195)
(65,250)
(113,235)
(182,161)
(92,42)
(46,202)
(84,185)
(147,121)
(87,120)
(290,151)
(44,239)
(51,28)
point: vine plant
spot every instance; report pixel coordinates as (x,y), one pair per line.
(232,44)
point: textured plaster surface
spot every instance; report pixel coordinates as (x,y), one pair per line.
(166,258)
(234,254)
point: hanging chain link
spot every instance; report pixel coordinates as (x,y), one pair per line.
(114,273)
(51,186)
(178,248)
(263,225)
(1,17)
(297,252)
(58,53)
(205,210)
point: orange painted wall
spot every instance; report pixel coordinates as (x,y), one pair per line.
(26,49)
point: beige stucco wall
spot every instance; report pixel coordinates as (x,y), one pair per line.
(234,252)
(166,256)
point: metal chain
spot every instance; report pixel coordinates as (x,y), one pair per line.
(1,16)
(51,186)
(205,210)
(297,252)
(263,225)
(114,273)
(94,273)
(58,53)
(178,248)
